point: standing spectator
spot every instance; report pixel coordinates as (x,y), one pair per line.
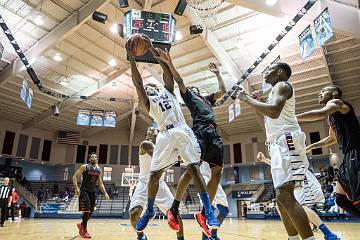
(245,208)
(5,199)
(15,198)
(40,195)
(22,208)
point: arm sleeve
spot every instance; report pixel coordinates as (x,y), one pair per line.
(186,96)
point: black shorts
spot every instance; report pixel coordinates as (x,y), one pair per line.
(349,174)
(87,201)
(212,149)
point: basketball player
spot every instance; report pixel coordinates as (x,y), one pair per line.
(204,127)
(309,196)
(344,129)
(164,197)
(91,175)
(174,139)
(287,147)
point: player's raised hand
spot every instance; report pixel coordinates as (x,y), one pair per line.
(147,41)
(242,95)
(107,198)
(213,68)
(129,48)
(260,156)
(164,55)
(255,95)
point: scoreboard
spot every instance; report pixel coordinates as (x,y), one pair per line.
(159,27)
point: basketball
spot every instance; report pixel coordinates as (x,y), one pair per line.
(139,46)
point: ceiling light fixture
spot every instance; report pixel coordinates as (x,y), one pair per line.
(114,28)
(38,20)
(271,2)
(64,83)
(58,57)
(178,36)
(112,62)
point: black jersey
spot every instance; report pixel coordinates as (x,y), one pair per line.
(90,177)
(201,108)
(347,129)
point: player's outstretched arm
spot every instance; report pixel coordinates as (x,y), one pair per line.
(102,187)
(74,179)
(136,77)
(281,93)
(165,57)
(331,106)
(146,147)
(167,76)
(222,89)
(328,141)
(261,157)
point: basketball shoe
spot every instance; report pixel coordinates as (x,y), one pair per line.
(144,220)
(172,221)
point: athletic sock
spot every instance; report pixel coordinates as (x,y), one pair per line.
(140,234)
(85,218)
(297,237)
(214,233)
(311,238)
(150,205)
(206,201)
(325,230)
(175,206)
(181,238)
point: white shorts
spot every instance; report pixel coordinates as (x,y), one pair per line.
(311,193)
(178,141)
(164,197)
(220,196)
(288,159)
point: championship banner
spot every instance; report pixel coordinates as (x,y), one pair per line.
(110,119)
(231,113)
(307,44)
(83,117)
(97,118)
(26,94)
(323,27)
(237,108)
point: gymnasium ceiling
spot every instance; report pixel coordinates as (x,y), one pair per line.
(244,29)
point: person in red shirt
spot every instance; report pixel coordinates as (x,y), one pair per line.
(15,198)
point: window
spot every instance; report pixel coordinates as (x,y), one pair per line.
(107,173)
(66,173)
(315,137)
(237,153)
(170,176)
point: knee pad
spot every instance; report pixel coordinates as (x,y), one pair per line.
(223,211)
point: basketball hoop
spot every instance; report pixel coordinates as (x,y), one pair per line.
(205,12)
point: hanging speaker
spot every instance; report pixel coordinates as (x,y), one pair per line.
(99,17)
(180,7)
(123,3)
(56,109)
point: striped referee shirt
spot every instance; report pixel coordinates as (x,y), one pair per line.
(5,192)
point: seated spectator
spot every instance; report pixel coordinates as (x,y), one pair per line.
(330,201)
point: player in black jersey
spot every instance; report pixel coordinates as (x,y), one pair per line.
(344,129)
(204,127)
(91,176)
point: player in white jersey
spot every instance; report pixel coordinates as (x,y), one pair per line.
(309,196)
(174,139)
(164,197)
(286,145)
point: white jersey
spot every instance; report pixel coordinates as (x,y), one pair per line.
(145,164)
(286,122)
(165,109)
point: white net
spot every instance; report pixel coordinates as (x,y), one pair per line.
(205,12)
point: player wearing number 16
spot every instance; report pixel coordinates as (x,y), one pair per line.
(174,139)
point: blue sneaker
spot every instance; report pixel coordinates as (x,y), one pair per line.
(331,237)
(144,220)
(142,238)
(212,221)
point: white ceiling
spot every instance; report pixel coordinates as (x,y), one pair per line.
(240,36)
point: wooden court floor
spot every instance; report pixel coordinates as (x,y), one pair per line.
(158,230)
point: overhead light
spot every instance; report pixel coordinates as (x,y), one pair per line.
(113,84)
(178,36)
(64,83)
(58,57)
(123,3)
(271,2)
(114,28)
(38,20)
(112,62)
(42,162)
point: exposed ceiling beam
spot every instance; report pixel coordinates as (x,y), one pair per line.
(61,31)
(145,118)
(344,19)
(147,5)
(132,129)
(88,91)
(97,130)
